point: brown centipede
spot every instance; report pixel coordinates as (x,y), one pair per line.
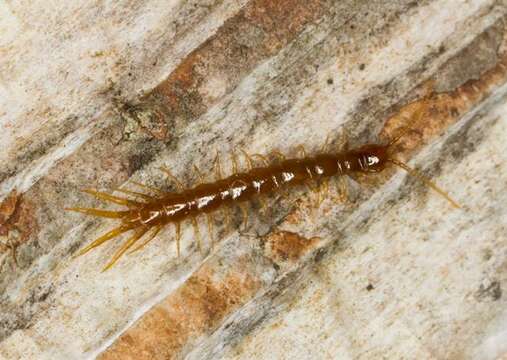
(150,213)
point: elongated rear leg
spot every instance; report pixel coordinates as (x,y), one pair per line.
(154,233)
(112,199)
(136,194)
(126,245)
(105,237)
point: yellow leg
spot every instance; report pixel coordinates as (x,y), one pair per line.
(280,157)
(244,211)
(98,212)
(197,233)
(302,151)
(199,174)
(107,236)
(344,141)
(173,178)
(343,188)
(135,193)
(248,158)
(227,216)
(234,160)
(127,245)
(209,220)
(155,190)
(218,168)
(325,146)
(151,237)
(111,198)
(178,237)
(263,159)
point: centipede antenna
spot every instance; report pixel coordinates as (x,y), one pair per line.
(127,245)
(173,178)
(111,198)
(177,226)
(397,138)
(145,242)
(102,239)
(99,212)
(425,180)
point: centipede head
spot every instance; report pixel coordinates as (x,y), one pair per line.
(373,157)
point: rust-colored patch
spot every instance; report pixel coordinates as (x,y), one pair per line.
(17,222)
(432,114)
(193,310)
(285,246)
(258,31)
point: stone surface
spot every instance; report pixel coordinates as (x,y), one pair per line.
(98,94)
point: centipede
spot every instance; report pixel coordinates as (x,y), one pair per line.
(152,209)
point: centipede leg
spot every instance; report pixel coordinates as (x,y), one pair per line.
(218,168)
(151,188)
(264,159)
(249,160)
(199,174)
(344,141)
(151,237)
(234,162)
(111,198)
(209,220)
(343,188)
(302,151)
(173,178)
(177,227)
(279,156)
(136,193)
(325,146)
(244,221)
(197,233)
(127,245)
(107,236)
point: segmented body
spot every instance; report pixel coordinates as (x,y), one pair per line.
(155,212)
(240,187)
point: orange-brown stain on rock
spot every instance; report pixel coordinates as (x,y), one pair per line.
(258,31)
(283,246)
(196,308)
(429,116)
(17,222)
